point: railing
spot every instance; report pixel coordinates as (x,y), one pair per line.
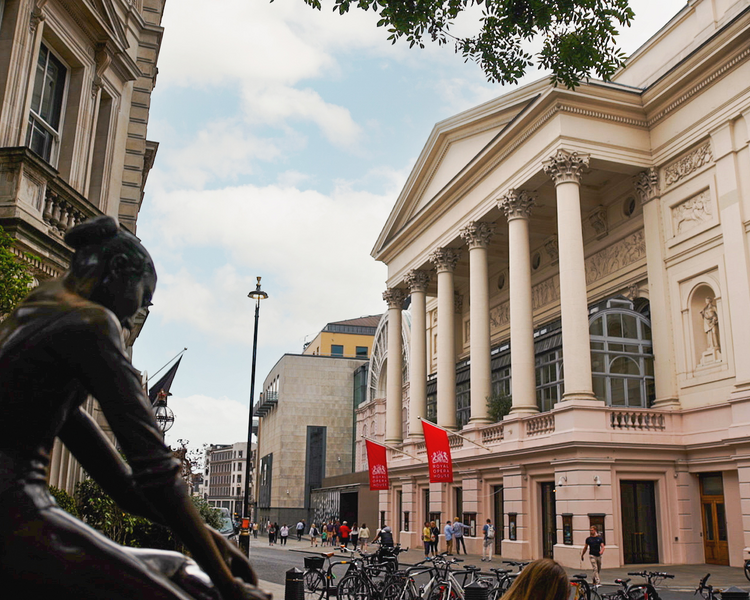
(540,425)
(421,448)
(455,441)
(494,434)
(637,420)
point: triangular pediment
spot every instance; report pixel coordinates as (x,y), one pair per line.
(452,148)
(108,14)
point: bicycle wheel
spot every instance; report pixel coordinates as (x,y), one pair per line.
(353,587)
(399,589)
(444,591)
(315,585)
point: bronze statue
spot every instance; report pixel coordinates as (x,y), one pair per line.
(59,345)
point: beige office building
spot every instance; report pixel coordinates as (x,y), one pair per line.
(586,252)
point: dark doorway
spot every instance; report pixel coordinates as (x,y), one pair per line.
(640,541)
(549,519)
(348,507)
(498,517)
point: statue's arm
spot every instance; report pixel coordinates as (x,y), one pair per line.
(100,459)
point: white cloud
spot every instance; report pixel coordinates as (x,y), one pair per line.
(206,420)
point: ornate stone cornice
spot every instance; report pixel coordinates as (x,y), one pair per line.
(445,259)
(552,248)
(394,297)
(646,185)
(566,166)
(516,204)
(477,234)
(458,303)
(417,280)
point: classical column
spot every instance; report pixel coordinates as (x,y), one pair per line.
(477,236)
(445,260)
(646,184)
(394,384)
(517,205)
(417,282)
(565,168)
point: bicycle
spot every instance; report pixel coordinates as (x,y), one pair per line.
(403,585)
(647,591)
(619,594)
(706,591)
(318,582)
(448,588)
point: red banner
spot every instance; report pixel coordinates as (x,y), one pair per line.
(378,466)
(438,453)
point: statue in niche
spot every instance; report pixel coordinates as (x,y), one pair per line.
(64,342)
(711,328)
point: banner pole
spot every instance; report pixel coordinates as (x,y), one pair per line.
(482,446)
(391,448)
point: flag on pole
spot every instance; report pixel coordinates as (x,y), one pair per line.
(164,384)
(438,453)
(377,463)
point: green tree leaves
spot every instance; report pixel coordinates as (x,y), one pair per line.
(578,36)
(15,279)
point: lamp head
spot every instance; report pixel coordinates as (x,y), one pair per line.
(257,293)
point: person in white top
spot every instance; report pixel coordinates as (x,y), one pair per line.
(364,536)
(283,534)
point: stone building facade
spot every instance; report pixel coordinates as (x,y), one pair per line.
(75,88)
(225,473)
(585,252)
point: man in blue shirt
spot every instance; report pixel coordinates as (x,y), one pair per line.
(458,535)
(448,531)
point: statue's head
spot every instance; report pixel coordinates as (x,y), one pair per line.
(110,266)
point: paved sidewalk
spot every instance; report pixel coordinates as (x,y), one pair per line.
(686,576)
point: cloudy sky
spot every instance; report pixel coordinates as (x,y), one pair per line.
(285,135)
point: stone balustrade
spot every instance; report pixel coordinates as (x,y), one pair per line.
(494,434)
(540,425)
(637,420)
(455,442)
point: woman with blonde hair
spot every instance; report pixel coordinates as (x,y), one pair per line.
(543,579)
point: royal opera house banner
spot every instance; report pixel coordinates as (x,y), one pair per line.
(438,453)
(378,465)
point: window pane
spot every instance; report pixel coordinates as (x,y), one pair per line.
(632,348)
(41,67)
(597,345)
(614,325)
(362,351)
(596,327)
(52,95)
(721,521)
(712,485)
(597,362)
(616,347)
(645,331)
(617,387)
(648,364)
(635,397)
(337,350)
(624,366)
(708,521)
(629,327)
(600,387)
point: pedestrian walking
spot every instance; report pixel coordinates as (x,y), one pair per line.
(364,536)
(344,532)
(330,530)
(448,531)
(255,530)
(458,535)
(427,538)
(488,531)
(354,535)
(314,534)
(595,545)
(283,534)
(300,529)
(271,534)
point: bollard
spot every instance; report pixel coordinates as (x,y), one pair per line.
(244,540)
(734,593)
(476,590)
(295,585)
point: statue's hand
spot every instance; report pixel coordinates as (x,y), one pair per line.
(236,561)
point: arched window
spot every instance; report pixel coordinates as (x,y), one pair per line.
(622,359)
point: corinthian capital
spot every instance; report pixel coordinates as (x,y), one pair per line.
(646,184)
(566,166)
(394,297)
(477,234)
(417,280)
(516,204)
(445,259)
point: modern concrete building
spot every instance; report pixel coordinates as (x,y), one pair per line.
(585,251)
(225,473)
(306,428)
(75,86)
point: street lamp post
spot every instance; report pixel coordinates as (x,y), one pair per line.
(257,294)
